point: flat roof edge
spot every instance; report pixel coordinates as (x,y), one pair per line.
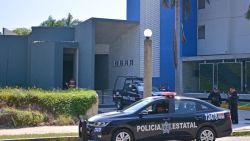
(114,20)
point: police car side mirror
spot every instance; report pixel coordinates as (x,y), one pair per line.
(144,112)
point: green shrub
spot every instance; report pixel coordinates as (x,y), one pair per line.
(64,120)
(16,118)
(72,102)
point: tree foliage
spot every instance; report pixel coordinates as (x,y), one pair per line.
(22,31)
(69,21)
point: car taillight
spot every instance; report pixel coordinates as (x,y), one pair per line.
(228,115)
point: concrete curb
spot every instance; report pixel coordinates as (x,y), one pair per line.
(42,139)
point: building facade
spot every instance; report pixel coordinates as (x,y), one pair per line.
(214,50)
(222,48)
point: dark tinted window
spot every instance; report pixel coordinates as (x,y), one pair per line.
(201,4)
(190,106)
(185,106)
(201,32)
(206,76)
(137,105)
(247,73)
(229,74)
(158,107)
(203,107)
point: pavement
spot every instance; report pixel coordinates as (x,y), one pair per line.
(244,122)
(106,105)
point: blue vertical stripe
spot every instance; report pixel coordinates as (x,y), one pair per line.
(133,10)
(189,48)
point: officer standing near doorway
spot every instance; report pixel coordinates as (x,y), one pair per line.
(233,104)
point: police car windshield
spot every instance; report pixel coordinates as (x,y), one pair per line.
(140,87)
(137,105)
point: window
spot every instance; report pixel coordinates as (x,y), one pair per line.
(185,106)
(116,64)
(121,63)
(206,77)
(201,4)
(159,107)
(229,74)
(201,32)
(247,76)
(203,108)
(131,62)
(126,62)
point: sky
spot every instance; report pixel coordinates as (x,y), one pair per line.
(27,13)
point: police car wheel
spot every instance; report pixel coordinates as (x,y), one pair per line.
(122,135)
(119,104)
(206,134)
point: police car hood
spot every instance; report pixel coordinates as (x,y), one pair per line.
(108,116)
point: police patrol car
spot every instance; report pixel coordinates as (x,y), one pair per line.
(129,89)
(162,118)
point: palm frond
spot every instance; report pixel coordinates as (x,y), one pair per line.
(186,8)
(168,3)
(247,15)
(208,1)
(69,20)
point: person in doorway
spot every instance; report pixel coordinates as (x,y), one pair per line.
(233,104)
(72,83)
(215,97)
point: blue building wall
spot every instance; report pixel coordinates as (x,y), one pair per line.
(188,48)
(133,10)
(167,73)
(13,60)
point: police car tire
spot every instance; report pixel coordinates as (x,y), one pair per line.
(207,130)
(116,133)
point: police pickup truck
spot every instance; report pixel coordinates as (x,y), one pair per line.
(129,89)
(164,117)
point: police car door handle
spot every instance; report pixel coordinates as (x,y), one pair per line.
(166,119)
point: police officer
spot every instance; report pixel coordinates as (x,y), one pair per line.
(215,97)
(233,104)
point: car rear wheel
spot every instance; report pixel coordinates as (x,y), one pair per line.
(206,134)
(122,135)
(119,105)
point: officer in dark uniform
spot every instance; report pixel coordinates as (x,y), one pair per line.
(215,97)
(233,104)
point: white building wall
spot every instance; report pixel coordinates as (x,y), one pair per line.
(227,30)
(240,27)
(102,49)
(150,18)
(125,48)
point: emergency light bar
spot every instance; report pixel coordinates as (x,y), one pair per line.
(168,94)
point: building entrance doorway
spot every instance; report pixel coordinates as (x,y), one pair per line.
(101,71)
(70,66)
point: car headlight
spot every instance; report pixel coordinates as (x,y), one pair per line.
(101,124)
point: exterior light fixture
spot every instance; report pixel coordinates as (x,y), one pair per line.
(147,33)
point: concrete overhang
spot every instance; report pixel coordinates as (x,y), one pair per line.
(109,30)
(63,44)
(216,57)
